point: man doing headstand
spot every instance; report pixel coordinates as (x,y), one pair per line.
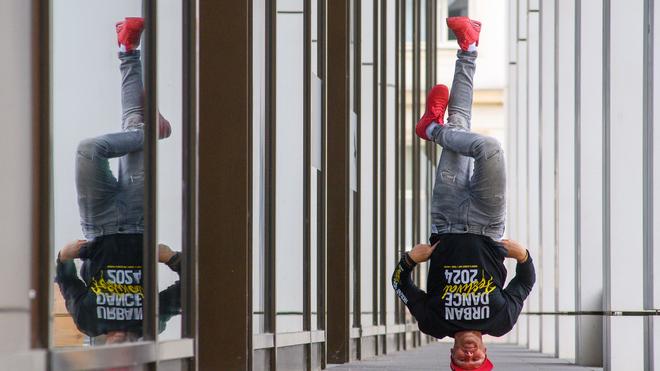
(108,299)
(465,297)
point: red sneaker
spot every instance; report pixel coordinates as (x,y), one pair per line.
(436,104)
(129,31)
(466,31)
(164,128)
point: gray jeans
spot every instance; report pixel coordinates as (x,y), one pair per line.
(470,185)
(110,205)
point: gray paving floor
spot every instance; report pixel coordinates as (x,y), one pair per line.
(435,357)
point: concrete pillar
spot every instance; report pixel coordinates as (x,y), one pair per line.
(565,166)
(589,282)
(512,152)
(655,326)
(546,257)
(522,206)
(533,168)
(521,178)
(624,236)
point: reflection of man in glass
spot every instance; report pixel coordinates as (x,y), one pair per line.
(465,298)
(109,299)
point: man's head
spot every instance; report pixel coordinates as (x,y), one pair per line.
(469,352)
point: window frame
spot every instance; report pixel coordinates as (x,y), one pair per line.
(442,11)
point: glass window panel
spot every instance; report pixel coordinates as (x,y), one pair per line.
(97,173)
(316,201)
(423,167)
(408,20)
(367,31)
(367,189)
(315,57)
(314,244)
(408,132)
(390,226)
(456,8)
(314,18)
(258,170)
(172,365)
(170,166)
(317,122)
(289,173)
(353,223)
(391,51)
(290,5)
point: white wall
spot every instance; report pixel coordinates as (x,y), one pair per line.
(626,191)
(16,235)
(289,195)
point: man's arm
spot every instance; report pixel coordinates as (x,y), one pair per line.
(402,282)
(521,285)
(169,300)
(71,287)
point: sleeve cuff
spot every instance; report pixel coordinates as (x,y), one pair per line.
(410,264)
(527,261)
(175,262)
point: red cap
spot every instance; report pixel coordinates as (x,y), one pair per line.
(486,366)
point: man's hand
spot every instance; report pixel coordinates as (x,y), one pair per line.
(71,250)
(421,252)
(165,253)
(515,250)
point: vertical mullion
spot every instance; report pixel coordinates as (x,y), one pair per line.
(357,198)
(337,177)
(415,115)
(307,117)
(307,271)
(430,78)
(150,272)
(322,177)
(383,164)
(606,179)
(577,168)
(42,173)
(397,160)
(270,315)
(189,197)
(648,178)
(415,140)
(556,168)
(376,160)
(402,144)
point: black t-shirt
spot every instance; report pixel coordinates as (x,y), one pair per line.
(110,295)
(465,287)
